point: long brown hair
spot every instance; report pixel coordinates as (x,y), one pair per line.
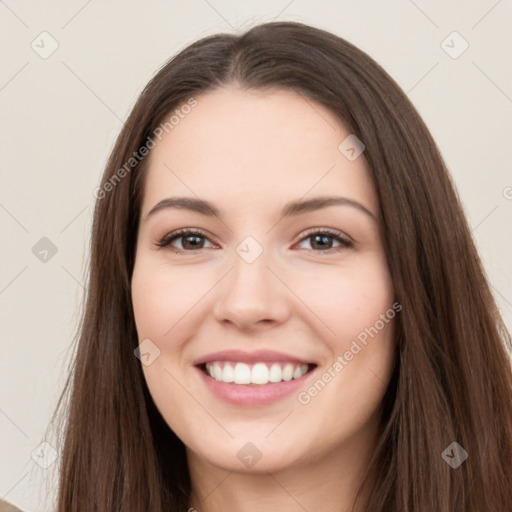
(452,380)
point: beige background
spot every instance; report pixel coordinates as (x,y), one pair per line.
(60,116)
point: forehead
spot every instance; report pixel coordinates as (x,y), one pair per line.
(255,144)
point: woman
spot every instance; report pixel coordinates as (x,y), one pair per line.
(285,307)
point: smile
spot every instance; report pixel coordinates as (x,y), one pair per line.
(260,373)
(256,378)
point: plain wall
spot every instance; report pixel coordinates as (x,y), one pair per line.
(60,116)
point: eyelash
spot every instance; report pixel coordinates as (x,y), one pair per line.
(183,233)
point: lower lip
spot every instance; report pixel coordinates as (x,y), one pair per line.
(251,395)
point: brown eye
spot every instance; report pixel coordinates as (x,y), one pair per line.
(190,240)
(322,240)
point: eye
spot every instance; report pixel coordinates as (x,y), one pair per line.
(321,240)
(191,239)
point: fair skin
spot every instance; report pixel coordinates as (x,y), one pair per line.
(309,297)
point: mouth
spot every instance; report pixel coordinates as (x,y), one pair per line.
(257,378)
(260,373)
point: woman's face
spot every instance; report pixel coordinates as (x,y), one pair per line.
(255,293)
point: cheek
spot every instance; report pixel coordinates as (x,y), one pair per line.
(160,297)
(348,299)
(356,306)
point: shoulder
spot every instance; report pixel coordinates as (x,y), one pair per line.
(7,507)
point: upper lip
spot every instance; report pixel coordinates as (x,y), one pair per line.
(249,357)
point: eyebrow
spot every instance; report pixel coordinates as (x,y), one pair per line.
(292,208)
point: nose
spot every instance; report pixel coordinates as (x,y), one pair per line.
(251,296)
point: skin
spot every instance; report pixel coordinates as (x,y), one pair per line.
(249,152)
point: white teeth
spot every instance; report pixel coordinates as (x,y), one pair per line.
(288,372)
(259,373)
(242,374)
(217,371)
(276,374)
(228,374)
